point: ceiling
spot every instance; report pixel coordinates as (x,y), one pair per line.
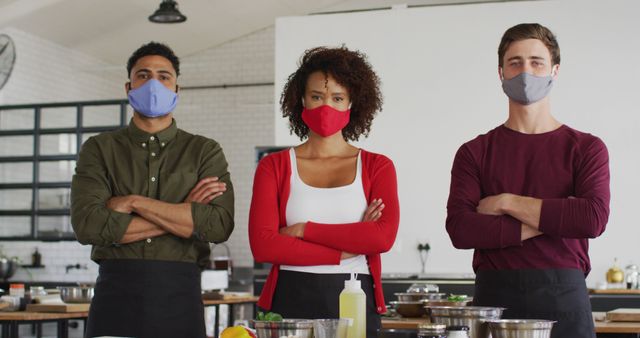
(111,29)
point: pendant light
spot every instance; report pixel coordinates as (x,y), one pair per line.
(167,13)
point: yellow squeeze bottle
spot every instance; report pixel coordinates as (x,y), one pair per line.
(353,302)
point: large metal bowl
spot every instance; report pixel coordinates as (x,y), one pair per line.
(409,309)
(76,294)
(294,328)
(520,328)
(8,267)
(419,296)
(472,316)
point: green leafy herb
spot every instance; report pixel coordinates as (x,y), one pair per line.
(269,317)
(457,298)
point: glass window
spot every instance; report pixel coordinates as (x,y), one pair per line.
(16,172)
(17,119)
(57,171)
(15,226)
(54,226)
(58,198)
(63,117)
(96,116)
(16,145)
(58,144)
(15,199)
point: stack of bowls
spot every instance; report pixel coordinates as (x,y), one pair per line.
(410,303)
(298,328)
(520,328)
(472,316)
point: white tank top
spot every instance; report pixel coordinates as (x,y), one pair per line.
(345,204)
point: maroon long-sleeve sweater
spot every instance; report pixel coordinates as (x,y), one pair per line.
(567,169)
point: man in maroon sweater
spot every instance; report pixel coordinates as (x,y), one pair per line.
(529,194)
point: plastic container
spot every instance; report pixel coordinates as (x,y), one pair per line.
(353,302)
(16,290)
(458,331)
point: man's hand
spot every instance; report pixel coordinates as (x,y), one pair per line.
(123,204)
(374,211)
(493,205)
(295,230)
(206,190)
(528,232)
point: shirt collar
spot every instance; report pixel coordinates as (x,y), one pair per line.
(164,136)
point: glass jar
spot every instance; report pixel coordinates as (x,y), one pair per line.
(432,331)
(458,331)
(631,276)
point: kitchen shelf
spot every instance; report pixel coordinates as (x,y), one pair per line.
(32,266)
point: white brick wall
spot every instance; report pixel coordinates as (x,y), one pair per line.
(238,118)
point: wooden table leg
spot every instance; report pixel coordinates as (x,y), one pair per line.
(216,321)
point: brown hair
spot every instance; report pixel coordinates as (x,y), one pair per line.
(351,70)
(525,31)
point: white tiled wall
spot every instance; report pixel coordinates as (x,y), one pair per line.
(238,118)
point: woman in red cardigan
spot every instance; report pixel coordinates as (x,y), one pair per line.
(325,208)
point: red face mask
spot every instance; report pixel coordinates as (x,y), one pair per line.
(325,120)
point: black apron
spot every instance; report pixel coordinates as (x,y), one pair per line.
(316,296)
(145,298)
(554,294)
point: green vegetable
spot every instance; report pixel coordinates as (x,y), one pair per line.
(457,298)
(269,317)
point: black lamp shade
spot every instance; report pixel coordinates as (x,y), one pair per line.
(167,13)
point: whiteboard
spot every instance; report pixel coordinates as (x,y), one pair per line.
(438,67)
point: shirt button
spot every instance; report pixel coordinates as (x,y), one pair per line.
(162,144)
(152,138)
(148,240)
(153,154)
(144,144)
(153,179)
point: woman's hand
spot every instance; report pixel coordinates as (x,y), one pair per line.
(374,211)
(295,230)
(346,255)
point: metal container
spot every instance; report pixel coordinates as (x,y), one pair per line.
(418,296)
(520,328)
(472,316)
(445,302)
(409,309)
(423,288)
(76,294)
(8,267)
(291,328)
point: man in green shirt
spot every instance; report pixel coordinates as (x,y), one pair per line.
(149,198)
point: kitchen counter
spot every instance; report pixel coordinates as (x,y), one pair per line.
(601,326)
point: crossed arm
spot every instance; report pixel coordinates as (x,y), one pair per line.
(156,218)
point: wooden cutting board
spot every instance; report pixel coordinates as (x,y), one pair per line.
(615,291)
(624,315)
(58,307)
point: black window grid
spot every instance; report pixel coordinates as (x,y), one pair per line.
(35,185)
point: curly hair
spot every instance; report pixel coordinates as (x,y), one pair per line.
(153,48)
(351,70)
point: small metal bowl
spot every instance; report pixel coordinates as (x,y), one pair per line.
(299,328)
(409,309)
(76,294)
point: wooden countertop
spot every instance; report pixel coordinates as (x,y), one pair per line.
(31,316)
(238,300)
(601,326)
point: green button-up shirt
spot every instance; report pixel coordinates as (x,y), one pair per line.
(163,166)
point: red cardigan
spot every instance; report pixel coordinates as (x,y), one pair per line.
(322,243)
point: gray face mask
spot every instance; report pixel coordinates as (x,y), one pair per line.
(526,88)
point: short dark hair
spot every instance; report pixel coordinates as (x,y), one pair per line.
(525,31)
(351,70)
(153,48)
